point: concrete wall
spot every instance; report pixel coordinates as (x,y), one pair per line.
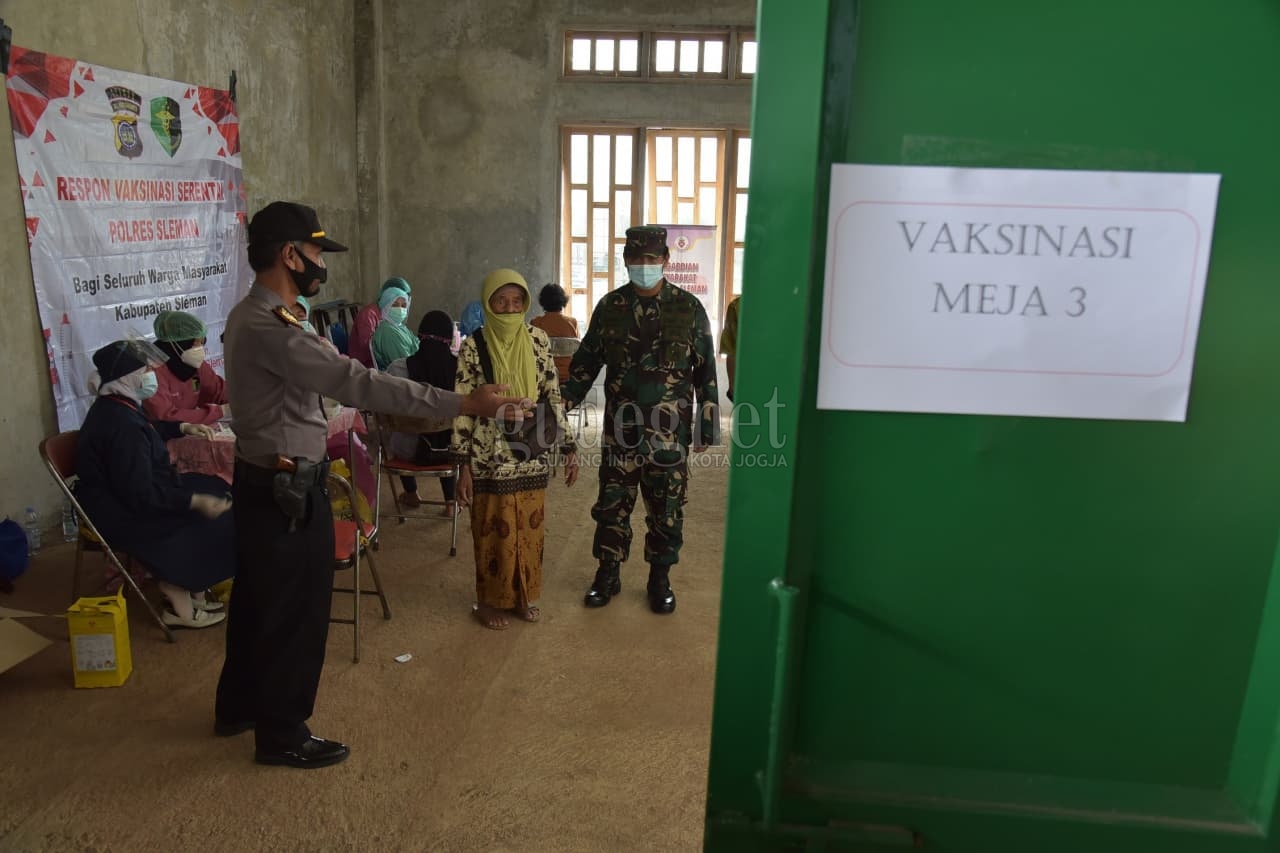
(473,105)
(425,133)
(296,97)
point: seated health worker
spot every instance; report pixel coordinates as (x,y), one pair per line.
(188,391)
(179,526)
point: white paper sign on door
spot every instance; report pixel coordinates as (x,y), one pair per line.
(1014,292)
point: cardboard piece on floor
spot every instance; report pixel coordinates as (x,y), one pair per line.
(10,613)
(18,642)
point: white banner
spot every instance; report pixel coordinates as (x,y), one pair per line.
(693,266)
(1014,292)
(134,203)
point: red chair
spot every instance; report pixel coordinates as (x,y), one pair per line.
(394,468)
(351,542)
(59,455)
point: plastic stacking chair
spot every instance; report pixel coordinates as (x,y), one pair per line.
(59,455)
(394,468)
(351,539)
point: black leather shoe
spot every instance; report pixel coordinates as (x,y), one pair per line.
(231,728)
(313,752)
(662,599)
(606,585)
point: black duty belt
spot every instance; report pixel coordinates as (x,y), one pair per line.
(261,477)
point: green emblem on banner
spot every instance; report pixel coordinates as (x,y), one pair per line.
(166,122)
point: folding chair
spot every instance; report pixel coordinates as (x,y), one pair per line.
(59,455)
(565,348)
(351,540)
(394,467)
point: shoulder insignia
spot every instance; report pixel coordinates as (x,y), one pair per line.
(284,315)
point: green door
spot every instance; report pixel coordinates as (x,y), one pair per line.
(984,634)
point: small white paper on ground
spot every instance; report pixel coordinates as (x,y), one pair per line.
(404,658)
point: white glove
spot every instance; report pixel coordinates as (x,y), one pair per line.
(210,506)
(197,429)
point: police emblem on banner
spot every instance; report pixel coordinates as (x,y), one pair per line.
(166,123)
(126,105)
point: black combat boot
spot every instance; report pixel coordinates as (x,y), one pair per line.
(606,585)
(661,597)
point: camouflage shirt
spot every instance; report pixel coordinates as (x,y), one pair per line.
(659,354)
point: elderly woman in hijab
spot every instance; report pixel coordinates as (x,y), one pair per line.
(507,495)
(188,391)
(177,525)
(433,364)
(392,339)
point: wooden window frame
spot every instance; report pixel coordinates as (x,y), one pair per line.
(590,291)
(594,35)
(731,37)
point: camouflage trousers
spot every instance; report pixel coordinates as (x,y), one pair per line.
(663,488)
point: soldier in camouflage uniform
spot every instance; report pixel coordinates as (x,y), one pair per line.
(656,341)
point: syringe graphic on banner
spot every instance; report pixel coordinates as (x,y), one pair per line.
(64,346)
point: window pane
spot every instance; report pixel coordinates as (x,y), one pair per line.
(623,169)
(713,57)
(600,167)
(744,162)
(578,214)
(664,56)
(689,55)
(578,306)
(621,213)
(686,168)
(578,265)
(662,153)
(684,213)
(737,271)
(664,210)
(582,54)
(748,57)
(600,244)
(707,207)
(740,219)
(709,161)
(578,158)
(620,275)
(628,55)
(604,54)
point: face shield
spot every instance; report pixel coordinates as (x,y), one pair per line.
(145,352)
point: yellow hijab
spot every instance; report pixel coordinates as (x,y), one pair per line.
(508,339)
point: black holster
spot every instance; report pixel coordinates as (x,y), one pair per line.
(291,488)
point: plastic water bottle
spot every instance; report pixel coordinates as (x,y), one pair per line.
(70,529)
(32,526)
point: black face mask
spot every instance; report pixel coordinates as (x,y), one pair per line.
(311,272)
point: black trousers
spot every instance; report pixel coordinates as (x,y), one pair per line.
(279,613)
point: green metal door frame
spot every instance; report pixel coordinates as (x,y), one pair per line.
(798,131)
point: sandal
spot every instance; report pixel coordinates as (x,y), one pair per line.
(410,500)
(490,617)
(532,613)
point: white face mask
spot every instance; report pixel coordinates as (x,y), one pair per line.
(645,276)
(150,384)
(193,357)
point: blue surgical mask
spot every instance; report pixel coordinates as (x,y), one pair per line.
(396,314)
(149,386)
(645,276)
